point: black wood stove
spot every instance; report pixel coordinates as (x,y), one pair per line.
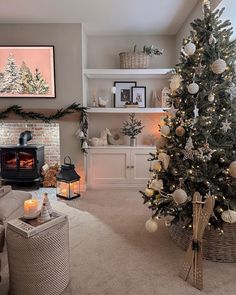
(22,162)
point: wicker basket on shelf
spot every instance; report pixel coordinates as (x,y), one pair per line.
(134,60)
(216,247)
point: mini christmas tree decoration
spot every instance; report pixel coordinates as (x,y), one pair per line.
(212,39)
(151,225)
(229,216)
(190,48)
(180,131)
(47,203)
(211,97)
(218,66)
(232,169)
(180,196)
(165,130)
(44,214)
(193,88)
(196,111)
(149,192)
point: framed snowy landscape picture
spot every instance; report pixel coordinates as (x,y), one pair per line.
(27,71)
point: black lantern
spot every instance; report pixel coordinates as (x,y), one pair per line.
(68,181)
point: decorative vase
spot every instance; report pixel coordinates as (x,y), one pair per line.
(133,141)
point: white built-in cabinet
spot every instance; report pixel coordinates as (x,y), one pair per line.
(118,166)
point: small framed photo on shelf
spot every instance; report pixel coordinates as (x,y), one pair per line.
(139,96)
(123,93)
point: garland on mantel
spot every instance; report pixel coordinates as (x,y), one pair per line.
(73,108)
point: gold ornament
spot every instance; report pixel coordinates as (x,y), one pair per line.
(157,166)
(180,131)
(149,192)
(218,66)
(229,216)
(151,225)
(193,88)
(165,130)
(232,169)
(190,48)
(180,196)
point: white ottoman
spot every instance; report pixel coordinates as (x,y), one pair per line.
(39,265)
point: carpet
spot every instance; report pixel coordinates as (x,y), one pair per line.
(112,254)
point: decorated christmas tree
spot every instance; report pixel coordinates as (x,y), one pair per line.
(10,80)
(26,79)
(199,154)
(39,84)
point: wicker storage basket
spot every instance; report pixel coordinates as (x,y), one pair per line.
(216,247)
(134,60)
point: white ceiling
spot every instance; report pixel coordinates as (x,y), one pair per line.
(102,16)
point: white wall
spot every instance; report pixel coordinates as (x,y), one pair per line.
(103,51)
(185,29)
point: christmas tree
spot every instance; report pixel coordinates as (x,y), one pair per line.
(26,79)
(199,154)
(11,81)
(39,84)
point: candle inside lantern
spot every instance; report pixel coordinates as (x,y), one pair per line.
(30,207)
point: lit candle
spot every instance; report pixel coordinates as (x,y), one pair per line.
(30,207)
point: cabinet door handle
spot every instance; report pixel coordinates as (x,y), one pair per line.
(127,167)
(132,167)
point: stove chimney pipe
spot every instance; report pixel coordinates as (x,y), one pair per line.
(25,137)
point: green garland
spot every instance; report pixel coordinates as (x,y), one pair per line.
(73,108)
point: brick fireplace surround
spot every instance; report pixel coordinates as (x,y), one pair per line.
(43,134)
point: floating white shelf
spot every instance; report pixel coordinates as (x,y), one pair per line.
(123,147)
(127,73)
(127,110)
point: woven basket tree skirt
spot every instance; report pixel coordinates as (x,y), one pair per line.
(216,247)
(39,265)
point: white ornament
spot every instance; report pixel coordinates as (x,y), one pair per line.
(85,145)
(81,134)
(188,152)
(157,184)
(165,130)
(196,111)
(190,48)
(229,216)
(232,169)
(211,97)
(175,82)
(165,159)
(218,66)
(212,39)
(226,126)
(151,225)
(180,196)
(149,192)
(193,88)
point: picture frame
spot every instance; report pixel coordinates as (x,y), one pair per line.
(139,96)
(123,93)
(27,71)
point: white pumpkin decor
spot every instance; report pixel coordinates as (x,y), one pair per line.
(165,130)
(229,216)
(232,169)
(151,225)
(157,184)
(218,66)
(193,88)
(180,196)
(211,97)
(149,192)
(165,159)
(190,48)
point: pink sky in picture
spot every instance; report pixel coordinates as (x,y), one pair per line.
(34,57)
